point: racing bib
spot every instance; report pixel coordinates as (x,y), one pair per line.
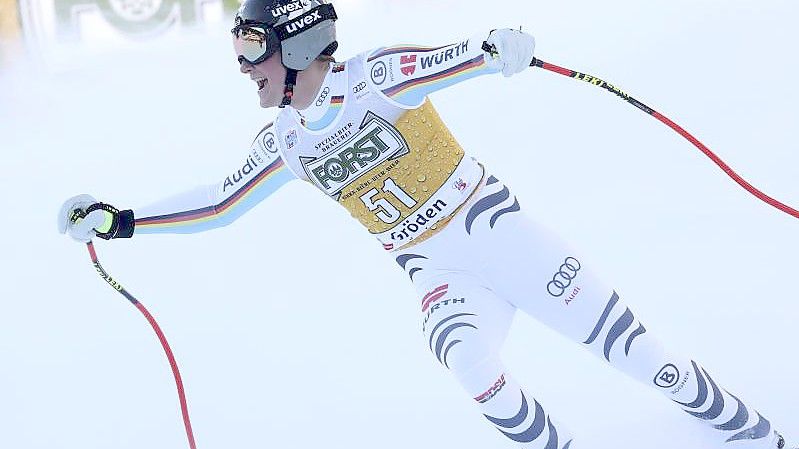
(397,179)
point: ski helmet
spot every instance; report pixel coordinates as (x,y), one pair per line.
(301,29)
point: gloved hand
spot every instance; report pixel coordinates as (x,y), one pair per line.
(512,50)
(82,217)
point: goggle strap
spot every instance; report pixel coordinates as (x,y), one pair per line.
(301,23)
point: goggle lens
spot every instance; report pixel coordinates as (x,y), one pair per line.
(252,44)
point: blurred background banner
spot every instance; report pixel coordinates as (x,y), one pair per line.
(10,30)
(56,31)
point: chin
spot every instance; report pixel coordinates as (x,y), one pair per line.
(266,103)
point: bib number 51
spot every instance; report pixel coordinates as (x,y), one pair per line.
(383,208)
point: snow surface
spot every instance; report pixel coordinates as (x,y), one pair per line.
(293,329)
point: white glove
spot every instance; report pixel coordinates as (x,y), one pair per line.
(513,50)
(83,218)
(70,222)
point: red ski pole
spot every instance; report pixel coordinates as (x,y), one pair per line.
(175,371)
(625,96)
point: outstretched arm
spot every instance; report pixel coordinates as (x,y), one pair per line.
(407,73)
(216,205)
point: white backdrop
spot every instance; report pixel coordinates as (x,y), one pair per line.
(267,317)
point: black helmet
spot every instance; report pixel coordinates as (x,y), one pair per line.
(302,29)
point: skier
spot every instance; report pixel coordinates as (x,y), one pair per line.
(364,132)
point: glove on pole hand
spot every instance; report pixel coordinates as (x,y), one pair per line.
(511,50)
(83,217)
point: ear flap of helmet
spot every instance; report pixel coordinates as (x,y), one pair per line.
(303,38)
(300,51)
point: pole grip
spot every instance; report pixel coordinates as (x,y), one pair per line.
(492,50)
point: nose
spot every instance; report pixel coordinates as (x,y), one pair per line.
(244,66)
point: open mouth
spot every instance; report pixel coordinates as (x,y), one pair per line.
(261,83)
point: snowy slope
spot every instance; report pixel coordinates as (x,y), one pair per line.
(267,316)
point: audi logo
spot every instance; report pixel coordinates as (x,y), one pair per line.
(563,278)
(323,96)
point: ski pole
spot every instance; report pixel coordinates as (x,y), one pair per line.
(625,96)
(175,371)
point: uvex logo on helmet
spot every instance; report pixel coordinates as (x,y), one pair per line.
(297,5)
(302,22)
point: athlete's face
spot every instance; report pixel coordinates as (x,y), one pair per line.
(270,76)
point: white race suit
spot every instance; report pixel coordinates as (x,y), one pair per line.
(372,141)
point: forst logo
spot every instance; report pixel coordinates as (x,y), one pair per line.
(376,141)
(130,17)
(290,7)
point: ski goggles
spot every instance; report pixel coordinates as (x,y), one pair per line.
(254,43)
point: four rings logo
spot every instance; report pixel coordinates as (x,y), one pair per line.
(323,96)
(563,278)
(360,91)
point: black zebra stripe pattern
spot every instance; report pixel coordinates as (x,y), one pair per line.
(718,405)
(490,201)
(403,260)
(622,325)
(441,351)
(533,431)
